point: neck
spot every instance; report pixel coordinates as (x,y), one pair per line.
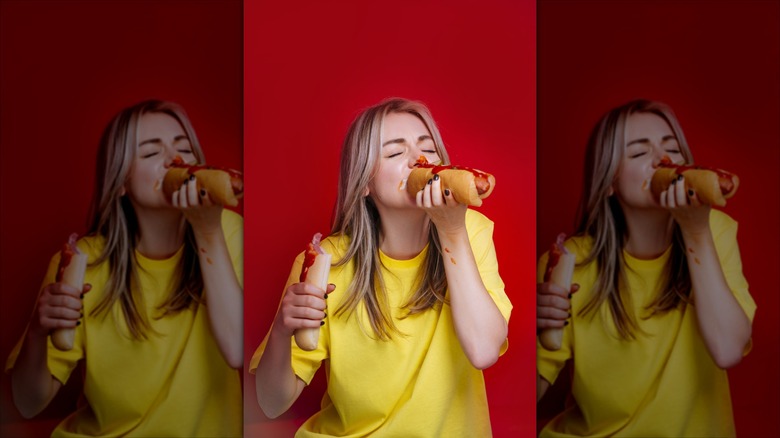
(161,232)
(404,234)
(649,232)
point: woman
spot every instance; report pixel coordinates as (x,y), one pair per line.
(662,309)
(158,323)
(415,308)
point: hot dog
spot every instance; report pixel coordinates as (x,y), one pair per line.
(315,271)
(712,186)
(468,186)
(73,265)
(560,268)
(224,186)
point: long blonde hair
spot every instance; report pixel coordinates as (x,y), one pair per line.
(114,219)
(357,217)
(601,217)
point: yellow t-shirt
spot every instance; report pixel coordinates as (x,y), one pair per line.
(175,383)
(420,384)
(661,384)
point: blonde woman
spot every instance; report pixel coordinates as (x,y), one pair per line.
(661,307)
(408,330)
(159,321)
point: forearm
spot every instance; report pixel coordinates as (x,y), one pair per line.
(479,325)
(224,296)
(32,384)
(724,326)
(276,384)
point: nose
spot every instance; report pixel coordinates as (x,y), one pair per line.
(658,154)
(170,155)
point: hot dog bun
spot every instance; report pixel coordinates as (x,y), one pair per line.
(468,186)
(315,271)
(560,269)
(712,186)
(71,271)
(224,186)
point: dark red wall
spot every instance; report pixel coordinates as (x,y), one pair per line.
(716,64)
(65,69)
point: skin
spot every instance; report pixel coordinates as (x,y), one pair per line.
(162,226)
(479,326)
(723,325)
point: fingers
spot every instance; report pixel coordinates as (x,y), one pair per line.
(553,305)
(432,195)
(60,306)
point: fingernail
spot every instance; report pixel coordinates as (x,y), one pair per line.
(81,296)
(331,284)
(192,177)
(202,192)
(690,192)
(569,314)
(569,296)
(322,323)
(82,314)
(435,177)
(566,323)
(78,322)
(675,181)
(326,296)
(326,315)
(430,181)
(679,178)
(186,181)
(446,192)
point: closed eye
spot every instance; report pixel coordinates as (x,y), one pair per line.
(637,155)
(149,155)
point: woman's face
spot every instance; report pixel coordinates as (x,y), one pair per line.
(160,139)
(648,139)
(404,139)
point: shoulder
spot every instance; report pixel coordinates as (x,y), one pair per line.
(335,245)
(476,221)
(231,219)
(92,246)
(720,221)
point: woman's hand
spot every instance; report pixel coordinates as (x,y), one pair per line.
(58,306)
(197,207)
(686,209)
(303,306)
(553,305)
(446,213)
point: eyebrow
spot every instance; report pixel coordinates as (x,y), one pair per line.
(644,140)
(402,141)
(157,140)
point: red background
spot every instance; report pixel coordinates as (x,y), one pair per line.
(716,64)
(309,71)
(66,69)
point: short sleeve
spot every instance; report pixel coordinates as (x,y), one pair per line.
(233,228)
(481,239)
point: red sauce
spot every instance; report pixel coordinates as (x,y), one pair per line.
(192,168)
(208,260)
(695,259)
(552,262)
(453,261)
(423,164)
(680,168)
(446,250)
(308,262)
(66,256)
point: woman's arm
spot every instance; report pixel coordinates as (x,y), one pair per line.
(223,293)
(723,324)
(276,384)
(479,325)
(32,384)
